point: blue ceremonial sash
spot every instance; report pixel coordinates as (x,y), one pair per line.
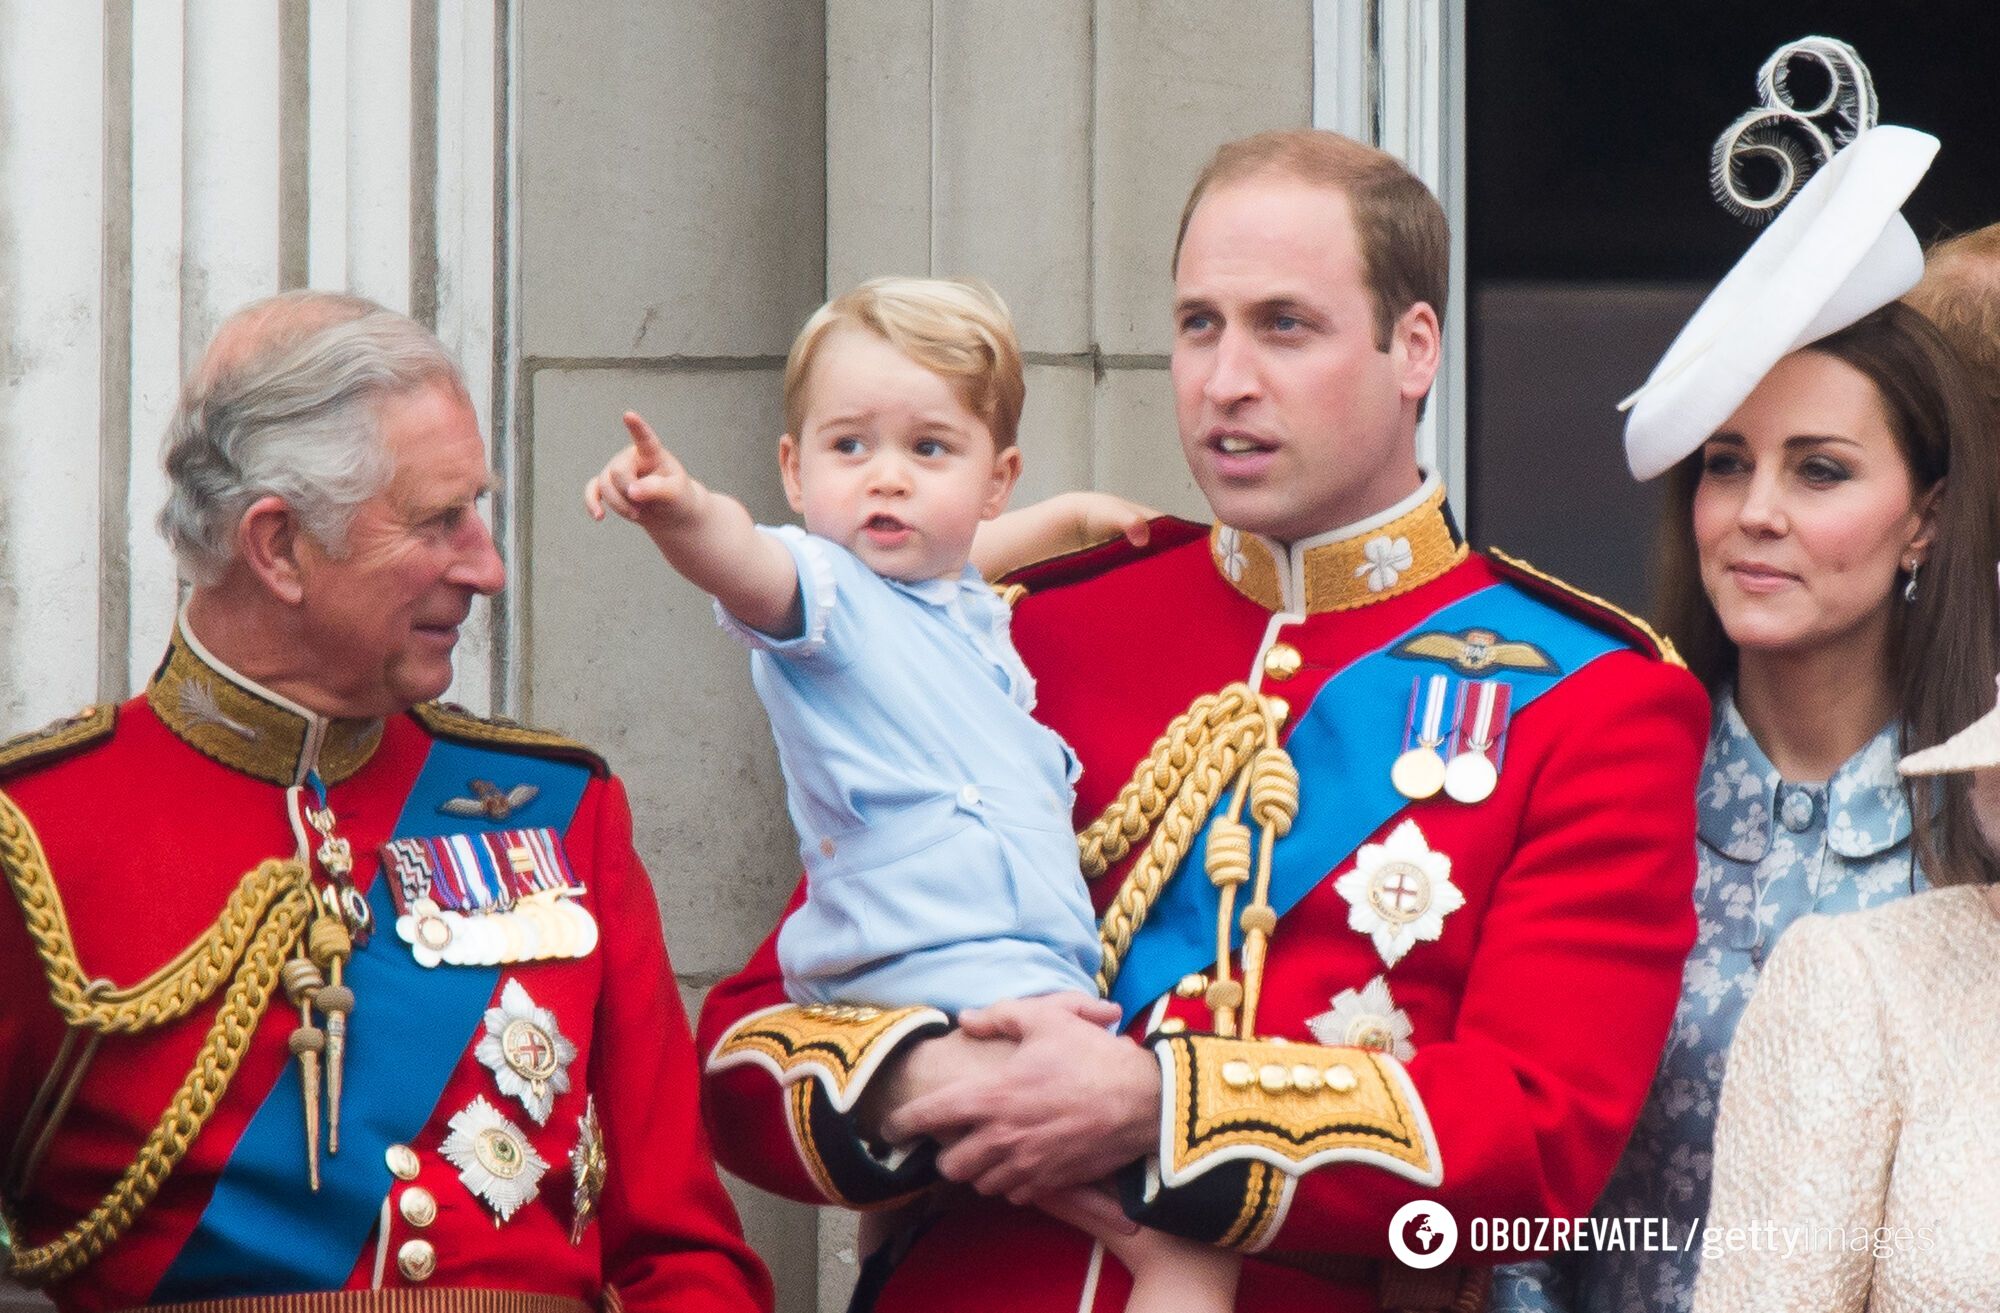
(265,1232)
(1343,746)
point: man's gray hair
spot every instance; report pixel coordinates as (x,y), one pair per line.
(287,402)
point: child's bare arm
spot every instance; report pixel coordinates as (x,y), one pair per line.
(1066,522)
(707,536)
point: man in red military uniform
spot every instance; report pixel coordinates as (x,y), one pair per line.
(319,991)
(1393,842)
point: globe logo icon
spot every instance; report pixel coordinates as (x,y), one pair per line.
(1422,1234)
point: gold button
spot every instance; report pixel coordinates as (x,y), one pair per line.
(418,1207)
(1281,710)
(1282,661)
(402,1160)
(1192,986)
(1172,1026)
(1306,1078)
(1238,1074)
(1225,994)
(1274,1078)
(416,1260)
(1340,1080)
(826,848)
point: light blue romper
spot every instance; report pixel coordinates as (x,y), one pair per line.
(933,811)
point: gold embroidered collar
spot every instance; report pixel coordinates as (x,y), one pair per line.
(1384,556)
(247,727)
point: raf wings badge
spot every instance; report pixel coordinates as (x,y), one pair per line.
(490,801)
(1476,652)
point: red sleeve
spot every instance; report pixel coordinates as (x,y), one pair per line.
(671,1237)
(1575,979)
(1570,992)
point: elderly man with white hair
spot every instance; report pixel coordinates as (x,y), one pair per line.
(321,993)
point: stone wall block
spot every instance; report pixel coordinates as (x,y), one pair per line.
(673,161)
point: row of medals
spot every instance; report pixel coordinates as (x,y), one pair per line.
(545,925)
(1470,776)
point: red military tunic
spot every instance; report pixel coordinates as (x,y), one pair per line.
(1534,1019)
(143,836)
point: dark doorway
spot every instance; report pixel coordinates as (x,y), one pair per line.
(1591,234)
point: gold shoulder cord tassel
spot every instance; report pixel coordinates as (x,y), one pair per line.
(1224,738)
(331,945)
(241,956)
(302,981)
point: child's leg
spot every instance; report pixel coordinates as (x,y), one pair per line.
(1169,1274)
(1172,1275)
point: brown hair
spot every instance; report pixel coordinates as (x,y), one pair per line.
(958,330)
(1960,293)
(1405,241)
(1944,654)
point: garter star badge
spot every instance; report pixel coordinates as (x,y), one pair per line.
(528,1055)
(1399,892)
(493,1157)
(1366,1018)
(588,1165)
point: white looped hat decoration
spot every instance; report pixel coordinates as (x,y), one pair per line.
(1793,138)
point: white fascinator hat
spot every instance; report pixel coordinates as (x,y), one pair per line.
(1839,249)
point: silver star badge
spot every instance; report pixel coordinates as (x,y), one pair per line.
(1366,1018)
(588,1165)
(528,1055)
(493,1157)
(1399,892)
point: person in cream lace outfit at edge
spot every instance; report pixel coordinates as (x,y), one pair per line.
(1860,1146)
(1825,522)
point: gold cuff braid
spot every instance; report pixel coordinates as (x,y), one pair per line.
(260,927)
(1292,1106)
(838,1044)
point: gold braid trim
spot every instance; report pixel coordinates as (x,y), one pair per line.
(167,995)
(1170,795)
(264,923)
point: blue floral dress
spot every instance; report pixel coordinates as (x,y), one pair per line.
(1770,851)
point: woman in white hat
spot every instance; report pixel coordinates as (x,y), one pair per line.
(1828,543)
(1869,1137)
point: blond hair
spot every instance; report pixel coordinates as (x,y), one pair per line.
(958,330)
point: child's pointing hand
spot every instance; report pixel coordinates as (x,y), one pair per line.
(644,483)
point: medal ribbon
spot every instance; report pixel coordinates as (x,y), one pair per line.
(263,1231)
(1342,745)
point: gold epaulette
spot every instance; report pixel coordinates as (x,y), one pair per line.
(1589,605)
(58,738)
(448,720)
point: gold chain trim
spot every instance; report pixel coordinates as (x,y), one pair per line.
(1170,796)
(263,924)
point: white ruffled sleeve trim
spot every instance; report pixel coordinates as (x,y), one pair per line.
(819,594)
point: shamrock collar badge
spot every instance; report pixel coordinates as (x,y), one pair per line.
(1399,892)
